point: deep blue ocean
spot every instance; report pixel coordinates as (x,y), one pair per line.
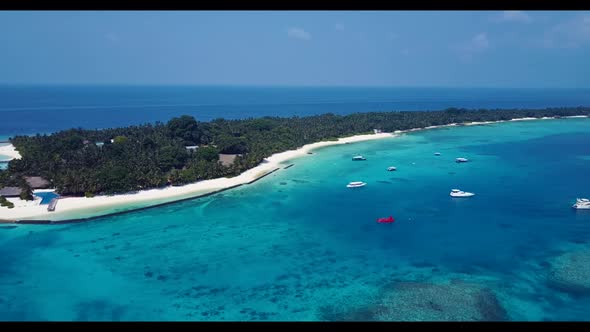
(300,246)
(45,109)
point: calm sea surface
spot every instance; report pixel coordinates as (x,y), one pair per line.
(45,109)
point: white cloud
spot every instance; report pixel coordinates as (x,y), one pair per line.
(338,27)
(298,33)
(515,16)
(479,43)
(569,34)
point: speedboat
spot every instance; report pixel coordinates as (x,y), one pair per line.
(437,153)
(461,160)
(391,168)
(459,193)
(386,220)
(359,157)
(582,204)
(356,184)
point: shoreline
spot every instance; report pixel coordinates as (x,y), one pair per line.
(9,151)
(68,206)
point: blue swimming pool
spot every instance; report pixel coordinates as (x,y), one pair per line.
(46,197)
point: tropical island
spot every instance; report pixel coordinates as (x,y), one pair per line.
(86,163)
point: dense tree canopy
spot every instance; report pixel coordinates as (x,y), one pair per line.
(185,128)
(155,155)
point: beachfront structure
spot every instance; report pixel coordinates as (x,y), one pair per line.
(228,159)
(37,182)
(191,147)
(377,131)
(10,192)
(99,144)
(52,204)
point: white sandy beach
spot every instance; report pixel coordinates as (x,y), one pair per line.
(524,119)
(74,207)
(67,206)
(8,151)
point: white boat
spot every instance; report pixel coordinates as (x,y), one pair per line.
(391,168)
(359,157)
(437,153)
(459,193)
(461,160)
(356,184)
(582,204)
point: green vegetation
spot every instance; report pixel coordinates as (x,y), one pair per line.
(120,140)
(5,202)
(154,155)
(10,179)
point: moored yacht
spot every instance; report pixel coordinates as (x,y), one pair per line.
(391,168)
(437,153)
(582,204)
(359,157)
(356,184)
(461,160)
(460,193)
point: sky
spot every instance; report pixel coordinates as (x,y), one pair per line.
(297,48)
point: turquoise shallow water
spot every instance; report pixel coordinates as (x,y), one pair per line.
(299,245)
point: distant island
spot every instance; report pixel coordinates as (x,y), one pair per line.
(79,162)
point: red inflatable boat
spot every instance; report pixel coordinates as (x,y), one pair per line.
(386,220)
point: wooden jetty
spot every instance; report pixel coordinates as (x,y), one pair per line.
(52,204)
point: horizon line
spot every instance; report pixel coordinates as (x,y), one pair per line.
(89,84)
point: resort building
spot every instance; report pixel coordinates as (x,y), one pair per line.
(191,147)
(37,182)
(10,192)
(228,159)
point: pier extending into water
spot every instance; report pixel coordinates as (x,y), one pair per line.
(52,204)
